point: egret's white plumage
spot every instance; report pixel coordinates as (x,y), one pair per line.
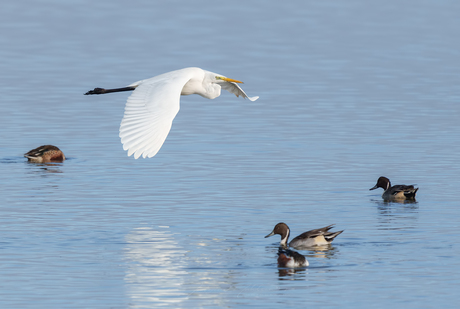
(154,103)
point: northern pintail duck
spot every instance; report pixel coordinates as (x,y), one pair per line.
(318,237)
(398,192)
(291,259)
(45,153)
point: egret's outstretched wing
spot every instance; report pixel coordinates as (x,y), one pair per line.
(149,113)
(235,89)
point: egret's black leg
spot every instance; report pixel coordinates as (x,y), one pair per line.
(102,90)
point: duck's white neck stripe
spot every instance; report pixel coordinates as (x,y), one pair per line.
(285,239)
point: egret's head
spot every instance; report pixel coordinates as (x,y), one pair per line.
(228,79)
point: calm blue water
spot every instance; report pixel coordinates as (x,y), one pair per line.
(349,91)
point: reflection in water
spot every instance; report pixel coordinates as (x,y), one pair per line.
(289,272)
(394,208)
(50,167)
(391,211)
(45,167)
(154,267)
(161,270)
(387,202)
(324,252)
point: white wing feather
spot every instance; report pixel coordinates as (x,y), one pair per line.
(152,107)
(235,89)
(150,111)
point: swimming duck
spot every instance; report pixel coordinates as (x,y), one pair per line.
(291,259)
(45,153)
(318,237)
(399,192)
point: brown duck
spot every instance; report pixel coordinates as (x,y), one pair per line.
(45,153)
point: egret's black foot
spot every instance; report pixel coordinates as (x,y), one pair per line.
(96,91)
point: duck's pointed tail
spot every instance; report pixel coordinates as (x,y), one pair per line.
(331,235)
(410,194)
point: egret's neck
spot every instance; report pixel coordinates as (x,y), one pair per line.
(212,91)
(191,87)
(204,88)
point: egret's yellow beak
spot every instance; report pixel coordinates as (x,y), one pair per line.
(228,79)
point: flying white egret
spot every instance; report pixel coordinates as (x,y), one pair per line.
(151,108)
